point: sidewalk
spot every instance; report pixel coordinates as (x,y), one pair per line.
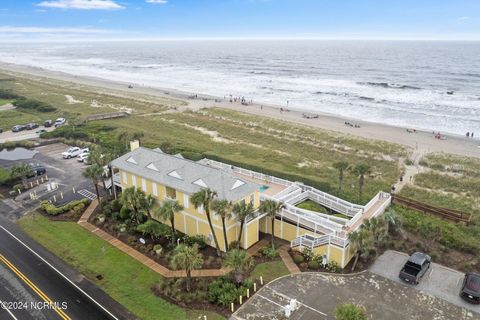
(158,268)
(287,260)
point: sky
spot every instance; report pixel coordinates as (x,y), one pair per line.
(217,19)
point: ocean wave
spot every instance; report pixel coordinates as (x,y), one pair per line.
(388,85)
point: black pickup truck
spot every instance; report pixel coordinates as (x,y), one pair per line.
(415,268)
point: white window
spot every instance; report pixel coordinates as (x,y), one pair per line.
(200,209)
(154,189)
(144,185)
(134,180)
(186,201)
(124,177)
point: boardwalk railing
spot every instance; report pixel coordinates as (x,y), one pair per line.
(449,214)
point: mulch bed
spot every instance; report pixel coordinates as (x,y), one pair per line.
(211,260)
(196,305)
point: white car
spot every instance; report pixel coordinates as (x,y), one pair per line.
(73,152)
(60,121)
(83,157)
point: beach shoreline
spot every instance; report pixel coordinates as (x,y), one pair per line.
(420,142)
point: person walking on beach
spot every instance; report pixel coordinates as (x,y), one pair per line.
(468,134)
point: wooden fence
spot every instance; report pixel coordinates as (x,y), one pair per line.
(450,214)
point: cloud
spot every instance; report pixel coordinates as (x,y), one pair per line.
(157,1)
(84,30)
(81,4)
(464,18)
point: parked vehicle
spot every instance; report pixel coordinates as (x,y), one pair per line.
(41,131)
(1,130)
(59,122)
(415,268)
(48,123)
(31,126)
(72,152)
(471,288)
(37,170)
(18,128)
(83,157)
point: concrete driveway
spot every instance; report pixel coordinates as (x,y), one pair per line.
(67,174)
(439,281)
(318,295)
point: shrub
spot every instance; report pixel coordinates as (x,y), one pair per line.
(200,240)
(233,245)
(298,259)
(29,104)
(307,254)
(269,252)
(125,213)
(223,291)
(18,187)
(350,311)
(50,209)
(332,266)
(314,265)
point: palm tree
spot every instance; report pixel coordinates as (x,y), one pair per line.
(167,212)
(149,205)
(377,228)
(151,228)
(188,259)
(361,243)
(135,200)
(361,170)
(271,208)
(224,209)
(203,198)
(100,157)
(94,172)
(240,262)
(394,221)
(242,212)
(341,166)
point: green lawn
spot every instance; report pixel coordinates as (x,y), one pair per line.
(269,271)
(126,280)
(4,102)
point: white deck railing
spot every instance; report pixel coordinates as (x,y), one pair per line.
(311,242)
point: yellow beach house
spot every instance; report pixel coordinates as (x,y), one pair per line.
(168,176)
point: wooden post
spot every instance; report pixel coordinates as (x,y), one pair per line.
(240,299)
(248,293)
(232,307)
(46,177)
(61,194)
(31,184)
(73,189)
(261,280)
(54,198)
(254,287)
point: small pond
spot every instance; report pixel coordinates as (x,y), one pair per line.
(17,154)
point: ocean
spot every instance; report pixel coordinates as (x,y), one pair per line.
(426,85)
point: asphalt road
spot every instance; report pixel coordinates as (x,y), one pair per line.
(27,281)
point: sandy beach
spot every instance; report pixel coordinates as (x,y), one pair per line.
(420,142)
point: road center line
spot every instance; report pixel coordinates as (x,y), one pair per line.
(32,286)
(61,274)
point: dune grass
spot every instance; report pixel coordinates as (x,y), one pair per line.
(275,147)
(125,280)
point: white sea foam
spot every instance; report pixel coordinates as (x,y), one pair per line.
(398,83)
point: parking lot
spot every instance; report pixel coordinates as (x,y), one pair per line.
(439,281)
(319,294)
(8,135)
(63,177)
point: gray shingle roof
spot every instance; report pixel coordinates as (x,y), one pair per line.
(182,174)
